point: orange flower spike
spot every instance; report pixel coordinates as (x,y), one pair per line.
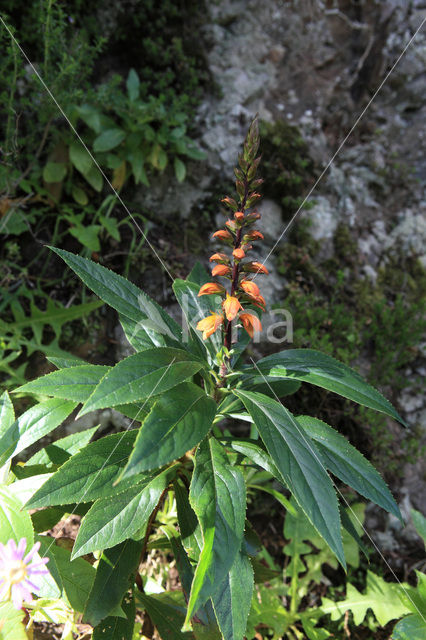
(221,270)
(209,288)
(251,323)
(231,306)
(238,254)
(210,324)
(250,287)
(222,234)
(219,257)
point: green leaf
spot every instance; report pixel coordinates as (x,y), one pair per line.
(271,386)
(112,520)
(54,172)
(299,463)
(80,158)
(166,615)
(88,236)
(80,196)
(180,170)
(178,421)
(115,627)
(108,140)
(7,414)
(14,522)
(95,178)
(133,84)
(11,618)
(195,308)
(59,451)
(324,371)
(115,568)
(125,297)
(348,464)
(232,600)
(74,578)
(141,376)
(32,425)
(190,530)
(90,473)
(74,383)
(419,522)
(380,596)
(412,627)
(218,497)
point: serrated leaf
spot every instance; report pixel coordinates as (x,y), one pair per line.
(299,464)
(190,530)
(80,158)
(116,627)
(59,451)
(141,376)
(14,522)
(178,421)
(112,520)
(218,497)
(74,578)
(232,600)
(108,139)
(112,580)
(348,464)
(122,295)
(90,473)
(324,371)
(380,596)
(32,425)
(74,383)
(166,615)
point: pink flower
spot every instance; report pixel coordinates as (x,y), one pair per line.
(15,571)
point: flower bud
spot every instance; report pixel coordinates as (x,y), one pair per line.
(255,267)
(219,257)
(221,270)
(239,215)
(209,288)
(239,254)
(223,234)
(231,306)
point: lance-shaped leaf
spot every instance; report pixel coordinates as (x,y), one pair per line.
(112,580)
(117,627)
(14,523)
(348,464)
(218,497)
(167,615)
(59,451)
(232,600)
(124,296)
(141,376)
(178,421)
(299,463)
(32,425)
(324,371)
(7,414)
(73,383)
(89,474)
(112,520)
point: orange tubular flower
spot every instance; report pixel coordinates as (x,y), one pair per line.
(219,257)
(231,306)
(222,234)
(250,323)
(210,324)
(239,215)
(239,254)
(250,287)
(254,235)
(255,267)
(209,288)
(221,270)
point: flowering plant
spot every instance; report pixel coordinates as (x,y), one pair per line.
(184,389)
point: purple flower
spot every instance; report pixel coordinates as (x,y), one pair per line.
(15,571)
